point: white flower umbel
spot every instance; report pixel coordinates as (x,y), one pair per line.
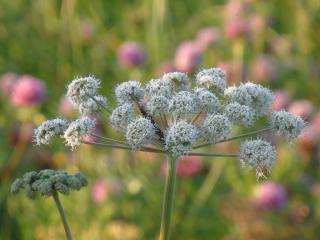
(82,88)
(214,127)
(140,132)
(129,92)
(183,102)
(287,124)
(49,129)
(158,105)
(92,106)
(206,100)
(240,114)
(75,131)
(180,137)
(253,95)
(257,154)
(178,81)
(170,118)
(213,79)
(159,87)
(122,116)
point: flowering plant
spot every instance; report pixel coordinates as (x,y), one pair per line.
(168,116)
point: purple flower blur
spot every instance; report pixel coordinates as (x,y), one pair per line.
(27,92)
(7,82)
(270,195)
(131,54)
(188,166)
(187,57)
(99,191)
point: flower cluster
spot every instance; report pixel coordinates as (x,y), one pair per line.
(175,116)
(46,182)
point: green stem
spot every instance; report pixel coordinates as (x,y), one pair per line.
(236,137)
(143,149)
(62,215)
(168,199)
(213,154)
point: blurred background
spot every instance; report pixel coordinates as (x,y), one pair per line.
(45,44)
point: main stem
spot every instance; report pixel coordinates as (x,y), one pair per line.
(168,199)
(62,215)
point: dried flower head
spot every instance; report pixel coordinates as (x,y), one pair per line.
(159,87)
(252,95)
(180,137)
(129,92)
(206,100)
(213,79)
(49,129)
(82,88)
(214,127)
(178,81)
(182,103)
(257,154)
(92,106)
(158,105)
(122,116)
(47,181)
(78,128)
(287,124)
(240,114)
(140,132)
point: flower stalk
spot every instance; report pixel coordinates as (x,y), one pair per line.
(62,215)
(168,199)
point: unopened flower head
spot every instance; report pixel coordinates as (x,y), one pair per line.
(252,95)
(82,88)
(257,154)
(49,129)
(122,116)
(158,105)
(183,102)
(92,106)
(240,114)
(213,79)
(178,81)
(288,124)
(47,181)
(159,87)
(140,132)
(180,137)
(129,92)
(75,131)
(214,127)
(206,100)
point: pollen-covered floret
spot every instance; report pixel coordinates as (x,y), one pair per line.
(180,137)
(158,105)
(129,92)
(287,124)
(92,106)
(159,87)
(253,95)
(213,79)
(178,81)
(49,129)
(206,100)
(80,89)
(122,116)
(48,181)
(140,132)
(73,134)
(183,102)
(240,114)
(257,154)
(214,127)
